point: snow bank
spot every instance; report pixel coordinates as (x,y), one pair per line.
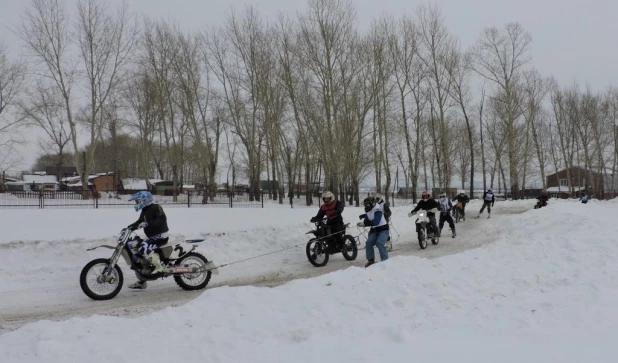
(545,291)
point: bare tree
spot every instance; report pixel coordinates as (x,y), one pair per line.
(44,110)
(437,52)
(409,74)
(12,78)
(460,72)
(103,42)
(327,50)
(535,91)
(500,57)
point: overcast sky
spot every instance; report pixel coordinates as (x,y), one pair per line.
(573,40)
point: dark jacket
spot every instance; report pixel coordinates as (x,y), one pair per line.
(155,217)
(543,198)
(332,211)
(387,210)
(464,199)
(427,205)
(489,198)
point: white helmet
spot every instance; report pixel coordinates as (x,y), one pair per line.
(328,197)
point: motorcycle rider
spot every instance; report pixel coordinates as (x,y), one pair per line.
(462,199)
(428,203)
(445,214)
(488,202)
(153,220)
(378,233)
(332,209)
(543,198)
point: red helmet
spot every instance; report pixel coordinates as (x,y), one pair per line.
(425,194)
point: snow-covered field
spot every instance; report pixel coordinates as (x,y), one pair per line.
(540,287)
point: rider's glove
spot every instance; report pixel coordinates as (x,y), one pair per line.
(411,214)
(313,220)
(143,225)
(362,216)
(360,224)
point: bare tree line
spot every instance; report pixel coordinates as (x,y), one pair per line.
(301,100)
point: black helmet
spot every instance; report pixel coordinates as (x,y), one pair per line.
(369,203)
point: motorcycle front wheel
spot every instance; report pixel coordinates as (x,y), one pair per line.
(422,238)
(316,252)
(99,287)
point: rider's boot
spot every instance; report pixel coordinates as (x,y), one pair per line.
(370,262)
(488,215)
(139,285)
(154,259)
(454,234)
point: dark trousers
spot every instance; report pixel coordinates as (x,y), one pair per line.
(334,228)
(486,204)
(447,217)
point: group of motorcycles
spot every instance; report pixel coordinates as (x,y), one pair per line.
(324,244)
(102,278)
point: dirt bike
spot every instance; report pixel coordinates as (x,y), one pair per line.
(458,213)
(422,221)
(324,244)
(102,278)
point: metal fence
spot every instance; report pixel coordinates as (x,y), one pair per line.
(112,199)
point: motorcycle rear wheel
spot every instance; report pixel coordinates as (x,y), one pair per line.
(90,286)
(193,281)
(349,250)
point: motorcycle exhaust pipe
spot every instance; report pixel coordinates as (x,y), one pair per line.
(210,266)
(181,270)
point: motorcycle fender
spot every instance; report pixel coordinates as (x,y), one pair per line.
(177,251)
(210,266)
(111,247)
(125,254)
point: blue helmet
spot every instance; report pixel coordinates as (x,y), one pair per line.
(142,199)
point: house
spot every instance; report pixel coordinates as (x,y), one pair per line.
(103,182)
(407,193)
(265,184)
(62,172)
(163,187)
(133,185)
(38,182)
(581,179)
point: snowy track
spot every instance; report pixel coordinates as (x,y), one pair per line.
(51,292)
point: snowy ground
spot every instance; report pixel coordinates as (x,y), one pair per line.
(540,288)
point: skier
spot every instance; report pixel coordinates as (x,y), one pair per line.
(543,198)
(154,222)
(378,234)
(387,214)
(445,214)
(488,202)
(428,203)
(332,209)
(584,198)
